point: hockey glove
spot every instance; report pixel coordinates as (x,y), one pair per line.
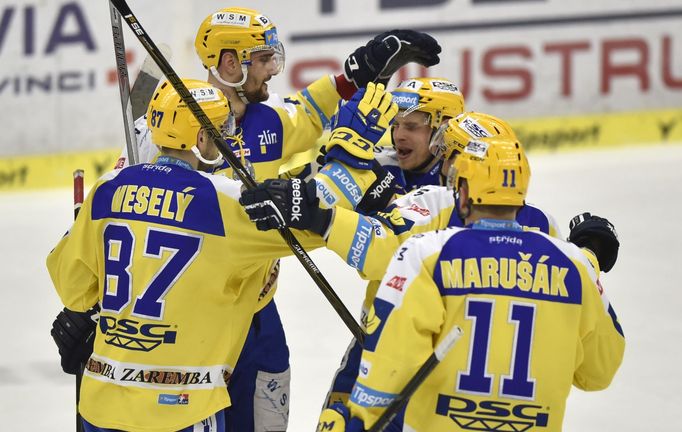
(333,419)
(380,193)
(74,334)
(360,124)
(386,53)
(292,203)
(598,235)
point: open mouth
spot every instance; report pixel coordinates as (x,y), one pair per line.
(403,153)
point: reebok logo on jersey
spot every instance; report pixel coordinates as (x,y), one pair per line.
(296,199)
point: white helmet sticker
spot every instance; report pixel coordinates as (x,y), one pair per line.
(474,128)
(231,19)
(411,84)
(263,20)
(444,86)
(476,148)
(205,94)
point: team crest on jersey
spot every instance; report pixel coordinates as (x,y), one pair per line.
(266,138)
(478,415)
(134,335)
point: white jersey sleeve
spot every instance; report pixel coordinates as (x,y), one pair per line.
(146,150)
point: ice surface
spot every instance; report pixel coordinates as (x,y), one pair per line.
(638,189)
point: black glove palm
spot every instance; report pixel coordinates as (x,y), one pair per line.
(74,334)
(386,53)
(598,235)
(293,203)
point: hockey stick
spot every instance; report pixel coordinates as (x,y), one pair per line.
(146,82)
(77,204)
(236,165)
(429,365)
(124,85)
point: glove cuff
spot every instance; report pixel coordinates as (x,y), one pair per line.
(344,87)
(321,222)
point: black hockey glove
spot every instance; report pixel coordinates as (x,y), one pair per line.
(293,203)
(598,235)
(386,53)
(380,193)
(74,334)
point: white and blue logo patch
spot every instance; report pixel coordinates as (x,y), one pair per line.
(170,399)
(271,38)
(405,100)
(367,397)
(365,368)
(358,250)
(325,193)
(343,179)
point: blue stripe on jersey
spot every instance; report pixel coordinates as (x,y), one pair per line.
(358,250)
(528,216)
(344,180)
(368,397)
(262,132)
(518,264)
(375,322)
(163,194)
(614,318)
(308,97)
(533,217)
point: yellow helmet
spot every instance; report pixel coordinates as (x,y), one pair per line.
(454,135)
(496,170)
(243,30)
(172,123)
(438,97)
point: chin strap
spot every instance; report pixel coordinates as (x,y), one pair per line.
(213,162)
(237,86)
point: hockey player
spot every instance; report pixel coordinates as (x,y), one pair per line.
(535,318)
(425,104)
(367,243)
(70,329)
(156,246)
(241,51)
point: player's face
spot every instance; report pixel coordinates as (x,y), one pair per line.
(263,67)
(411,134)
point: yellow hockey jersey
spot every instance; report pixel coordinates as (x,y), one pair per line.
(368,243)
(177,268)
(535,318)
(273,132)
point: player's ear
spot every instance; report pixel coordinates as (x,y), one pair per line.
(229,63)
(463,198)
